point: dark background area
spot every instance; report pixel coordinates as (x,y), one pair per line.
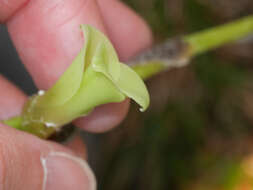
(11,66)
(197,133)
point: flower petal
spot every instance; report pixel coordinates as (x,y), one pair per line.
(95,77)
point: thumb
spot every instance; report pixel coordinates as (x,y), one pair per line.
(29,163)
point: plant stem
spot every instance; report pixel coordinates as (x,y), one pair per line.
(39,130)
(15,122)
(172,53)
(148,70)
(212,38)
(177,53)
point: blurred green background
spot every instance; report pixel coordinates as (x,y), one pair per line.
(198,132)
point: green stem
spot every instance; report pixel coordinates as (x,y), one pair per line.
(39,130)
(209,39)
(195,44)
(148,70)
(15,122)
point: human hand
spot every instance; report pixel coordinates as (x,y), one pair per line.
(47,37)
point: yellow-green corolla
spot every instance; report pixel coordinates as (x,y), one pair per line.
(95,77)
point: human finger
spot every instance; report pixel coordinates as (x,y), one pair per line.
(29,163)
(127,30)
(11,100)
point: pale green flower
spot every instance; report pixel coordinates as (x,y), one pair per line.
(95,77)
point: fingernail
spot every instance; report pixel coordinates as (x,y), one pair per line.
(64,171)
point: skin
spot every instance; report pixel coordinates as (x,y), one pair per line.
(47,37)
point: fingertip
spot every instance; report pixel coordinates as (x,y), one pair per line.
(47,35)
(77,145)
(12,99)
(50,165)
(65,171)
(129,32)
(10,7)
(104,118)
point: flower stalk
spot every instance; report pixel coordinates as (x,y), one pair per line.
(178,52)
